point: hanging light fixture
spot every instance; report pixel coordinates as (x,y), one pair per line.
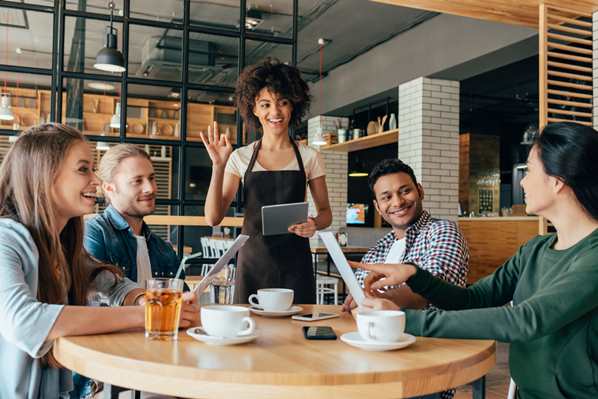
(115,120)
(359,169)
(109,59)
(319,137)
(358,174)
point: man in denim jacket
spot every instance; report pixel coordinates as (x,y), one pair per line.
(119,236)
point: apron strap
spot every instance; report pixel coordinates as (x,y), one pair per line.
(256,149)
(299,159)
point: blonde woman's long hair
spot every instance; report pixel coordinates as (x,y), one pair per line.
(27,175)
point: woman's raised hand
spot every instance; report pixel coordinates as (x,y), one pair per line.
(218,145)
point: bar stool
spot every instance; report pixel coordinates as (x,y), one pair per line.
(326,285)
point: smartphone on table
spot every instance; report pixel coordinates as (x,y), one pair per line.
(315,316)
(319,332)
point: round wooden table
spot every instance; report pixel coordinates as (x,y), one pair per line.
(281,363)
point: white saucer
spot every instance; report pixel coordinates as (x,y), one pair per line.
(276,313)
(199,334)
(354,339)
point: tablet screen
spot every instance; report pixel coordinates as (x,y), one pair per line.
(276,219)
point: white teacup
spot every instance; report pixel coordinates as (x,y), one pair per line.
(226,321)
(273,299)
(381,325)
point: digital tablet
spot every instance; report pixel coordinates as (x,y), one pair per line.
(220,263)
(276,219)
(342,266)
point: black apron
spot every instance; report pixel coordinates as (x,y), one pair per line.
(278,261)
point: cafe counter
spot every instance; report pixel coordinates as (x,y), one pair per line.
(493,240)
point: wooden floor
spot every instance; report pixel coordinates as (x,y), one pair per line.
(497,381)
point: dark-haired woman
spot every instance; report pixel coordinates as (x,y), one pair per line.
(552,280)
(273,170)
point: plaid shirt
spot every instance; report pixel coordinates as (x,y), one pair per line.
(435,245)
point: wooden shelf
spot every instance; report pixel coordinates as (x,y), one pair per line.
(373,140)
(154,118)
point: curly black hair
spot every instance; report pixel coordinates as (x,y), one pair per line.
(387,167)
(282,79)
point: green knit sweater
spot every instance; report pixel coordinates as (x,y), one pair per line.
(552,326)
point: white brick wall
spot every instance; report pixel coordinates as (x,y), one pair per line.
(328,124)
(429,140)
(595,67)
(336,165)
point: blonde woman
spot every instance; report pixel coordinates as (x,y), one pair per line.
(47,184)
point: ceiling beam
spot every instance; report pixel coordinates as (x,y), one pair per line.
(513,12)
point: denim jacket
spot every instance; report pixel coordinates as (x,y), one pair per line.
(109,239)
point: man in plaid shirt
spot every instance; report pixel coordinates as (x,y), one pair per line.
(435,245)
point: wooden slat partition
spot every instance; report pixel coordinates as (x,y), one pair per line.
(571,21)
(569,38)
(563,28)
(573,76)
(552,120)
(553,54)
(570,85)
(570,103)
(564,65)
(572,49)
(565,45)
(570,94)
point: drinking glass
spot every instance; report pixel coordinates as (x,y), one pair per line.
(163,301)
(222,288)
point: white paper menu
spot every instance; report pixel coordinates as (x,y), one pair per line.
(220,263)
(343,266)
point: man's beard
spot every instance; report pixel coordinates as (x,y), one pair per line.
(138,214)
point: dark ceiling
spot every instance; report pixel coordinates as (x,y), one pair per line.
(505,95)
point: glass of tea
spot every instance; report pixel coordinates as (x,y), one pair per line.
(163,301)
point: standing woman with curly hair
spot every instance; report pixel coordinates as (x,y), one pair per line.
(271,97)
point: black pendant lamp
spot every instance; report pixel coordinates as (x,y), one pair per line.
(109,59)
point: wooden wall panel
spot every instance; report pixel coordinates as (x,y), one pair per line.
(494,240)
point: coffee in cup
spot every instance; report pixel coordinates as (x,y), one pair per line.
(273,299)
(226,321)
(381,325)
